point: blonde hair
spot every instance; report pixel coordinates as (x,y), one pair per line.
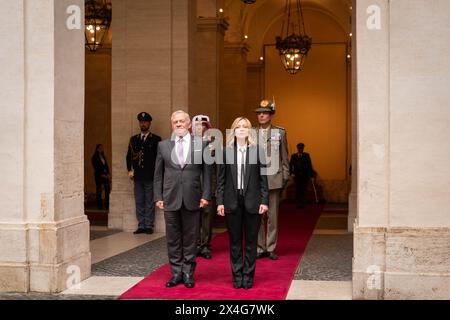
(186,115)
(251,139)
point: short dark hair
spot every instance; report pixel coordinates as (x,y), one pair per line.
(301,145)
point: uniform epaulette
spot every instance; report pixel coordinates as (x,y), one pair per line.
(278,127)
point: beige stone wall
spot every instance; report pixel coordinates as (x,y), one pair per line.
(97,124)
(209,66)
(13,261)
(402,228)
(352,199)
(254,89)
(234,83)
(152,71)
(419,114)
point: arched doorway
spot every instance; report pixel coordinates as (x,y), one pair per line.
(324,114)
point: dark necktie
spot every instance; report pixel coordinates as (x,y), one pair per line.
(242,150)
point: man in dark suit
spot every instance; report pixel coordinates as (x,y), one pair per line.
(301,167)
(178,191)
(141,166)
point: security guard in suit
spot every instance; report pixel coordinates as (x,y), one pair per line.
(273,140)
(140,159)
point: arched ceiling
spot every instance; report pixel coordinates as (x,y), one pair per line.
(255,19)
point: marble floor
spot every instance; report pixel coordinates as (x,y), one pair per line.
(121,259)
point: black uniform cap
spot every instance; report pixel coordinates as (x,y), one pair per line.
(144,116)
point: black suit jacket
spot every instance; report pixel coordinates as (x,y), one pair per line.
(141,157)
(256,190)
(176,185)
(100,168)
(301,167)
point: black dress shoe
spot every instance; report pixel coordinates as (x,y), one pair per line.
(149,231)
(207,255)
(237,284)
(174,281)
(261,255)
(138,231)
(188,281)
(273,256)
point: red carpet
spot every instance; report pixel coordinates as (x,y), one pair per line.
(213,277)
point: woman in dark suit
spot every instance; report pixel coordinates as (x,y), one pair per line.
(102,176)
(242,197)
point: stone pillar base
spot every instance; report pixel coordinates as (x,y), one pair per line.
(14,277)
(122,213)
(55,278)
(401,263)
(44,257)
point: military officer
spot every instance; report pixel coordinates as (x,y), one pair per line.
(200,126)
(140,159)
(274,142)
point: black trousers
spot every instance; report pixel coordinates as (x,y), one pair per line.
(206,223)
(100,185)
(300,192)
(243,225)
(182,229)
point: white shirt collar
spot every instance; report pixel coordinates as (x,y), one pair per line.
(186,137)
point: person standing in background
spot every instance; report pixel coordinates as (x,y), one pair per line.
(102,176)
(140,160)
(273,140)
(200,126)
(301,167)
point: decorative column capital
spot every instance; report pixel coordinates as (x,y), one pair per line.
(236,47)
(214,24)
(255,65)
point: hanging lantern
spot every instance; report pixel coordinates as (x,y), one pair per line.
(295,45)
(98,15)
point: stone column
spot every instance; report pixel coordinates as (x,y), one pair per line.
(403,227)
(255,92)
(209,67)
(372,167)
(43,230)
(152,71)
(352,199)
(235,83)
